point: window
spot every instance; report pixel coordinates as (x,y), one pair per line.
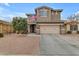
(73,28)
(43,13)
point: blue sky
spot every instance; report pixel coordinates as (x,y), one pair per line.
(9,10)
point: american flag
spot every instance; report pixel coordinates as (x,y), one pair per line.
(33,17)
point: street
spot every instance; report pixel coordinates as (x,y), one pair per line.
(54,45)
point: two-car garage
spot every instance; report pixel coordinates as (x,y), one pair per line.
(49,28)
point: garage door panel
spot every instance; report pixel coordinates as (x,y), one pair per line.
(49,29)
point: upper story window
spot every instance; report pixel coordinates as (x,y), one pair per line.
(43,13)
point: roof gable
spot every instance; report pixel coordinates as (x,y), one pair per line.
(44,7)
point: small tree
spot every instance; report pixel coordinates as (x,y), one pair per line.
(14,23)
(20,24)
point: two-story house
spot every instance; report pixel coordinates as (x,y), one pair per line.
(45,20)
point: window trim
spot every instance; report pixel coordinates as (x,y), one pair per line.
(73,27)
(43,15)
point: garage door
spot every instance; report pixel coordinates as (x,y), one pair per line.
(54,29)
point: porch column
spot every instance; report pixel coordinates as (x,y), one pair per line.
(28,28)
(78,26)
(68,27)
(37,29)
(1,28)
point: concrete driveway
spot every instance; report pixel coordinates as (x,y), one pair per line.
(55,45)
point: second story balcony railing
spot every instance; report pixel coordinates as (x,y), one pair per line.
(31,21)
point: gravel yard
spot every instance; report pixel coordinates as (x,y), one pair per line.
(14,44)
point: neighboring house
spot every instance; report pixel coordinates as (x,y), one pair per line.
(71,25)
(48,20)
(5,27)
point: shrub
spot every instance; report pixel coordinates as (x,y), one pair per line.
(24,32)
(69,32)
(77,32)
(1,35)
(18,32)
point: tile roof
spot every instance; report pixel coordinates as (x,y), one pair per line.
(49,8)
(4,22)
(44,7)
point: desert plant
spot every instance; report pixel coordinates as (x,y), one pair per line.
(24,32)
(1,35)
(69,32)
(77,32)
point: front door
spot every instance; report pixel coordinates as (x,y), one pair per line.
(32,28)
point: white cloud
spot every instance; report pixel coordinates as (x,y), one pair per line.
(62,17)
(6,4)
(7,15)
(76,13)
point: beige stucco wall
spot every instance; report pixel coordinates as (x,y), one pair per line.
(28,28)
(54,29)
(55,16)
(78,26)
(4,28)
(67,27)
(0,27)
